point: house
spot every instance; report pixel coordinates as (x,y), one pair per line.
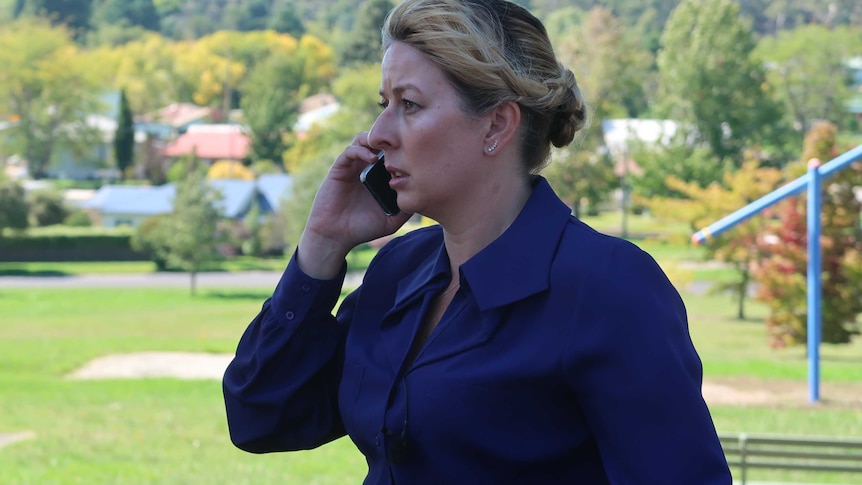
(621,135)
(313,110)
(211,142)
(96,163)
(126,205)
(854,104)
(173,120)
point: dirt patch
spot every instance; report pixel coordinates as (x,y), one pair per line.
(179,365)
(741,391)
(752,392)
(9,438)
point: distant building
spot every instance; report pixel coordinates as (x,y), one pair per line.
(854,104)
(127,205)
(622,136)
(313,110)
(210,143)
(173,120)
(95,163)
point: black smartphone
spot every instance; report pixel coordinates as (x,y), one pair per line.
(375,178)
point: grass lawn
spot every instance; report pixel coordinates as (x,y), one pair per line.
(54,268)
(169,431)
(132,431)
(358,258)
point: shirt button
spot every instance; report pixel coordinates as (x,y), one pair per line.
(289,315)
(306,287)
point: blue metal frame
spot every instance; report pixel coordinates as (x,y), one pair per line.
(814,280)
(812,181)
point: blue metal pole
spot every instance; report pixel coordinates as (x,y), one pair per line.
(814,280)
(792,188)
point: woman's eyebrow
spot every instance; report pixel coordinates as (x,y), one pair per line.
(402,88)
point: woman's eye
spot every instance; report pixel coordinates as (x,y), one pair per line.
(405,103)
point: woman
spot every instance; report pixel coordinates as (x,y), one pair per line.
(510,343)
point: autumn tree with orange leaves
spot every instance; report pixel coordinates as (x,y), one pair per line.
(700,206)
(782,273)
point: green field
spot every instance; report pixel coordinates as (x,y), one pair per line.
(169,431)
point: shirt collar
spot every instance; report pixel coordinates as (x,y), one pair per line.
(433,271)
(515,265)
(518,263)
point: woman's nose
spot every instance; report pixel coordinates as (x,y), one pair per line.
(380,134)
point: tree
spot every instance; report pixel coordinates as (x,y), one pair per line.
(357,89)
(808,73)
(211,68)
(150,239)
(285,20)
(364,45)
(130,13)
(13,206)
(229,169)
(191,238)
(18,9)
(270,103)
(700,206)
(272,93)
(789,14)
(578,175)
(74,14)
(47,86)
(250,15)
(709,80)
(782,274)
(46,207)
(145,70)
(253,244)
(124,138)
(306,179)
(694,164)
(612,69)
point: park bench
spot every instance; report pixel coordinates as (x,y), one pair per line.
(747,451)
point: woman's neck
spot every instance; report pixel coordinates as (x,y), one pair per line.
(491,213)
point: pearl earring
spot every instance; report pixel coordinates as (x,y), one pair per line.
(492,147)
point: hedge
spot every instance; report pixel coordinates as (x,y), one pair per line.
(68,244)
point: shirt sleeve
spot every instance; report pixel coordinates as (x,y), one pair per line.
(281,388)
(638,377)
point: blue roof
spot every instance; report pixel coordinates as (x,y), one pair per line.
(136,200)
(236,197)
(274,187)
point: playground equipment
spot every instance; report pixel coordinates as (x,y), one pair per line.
(812,181)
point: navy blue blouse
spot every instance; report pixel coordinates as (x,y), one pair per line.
(564,358)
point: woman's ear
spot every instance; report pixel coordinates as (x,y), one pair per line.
(504,126)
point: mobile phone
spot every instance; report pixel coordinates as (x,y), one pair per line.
(375,178)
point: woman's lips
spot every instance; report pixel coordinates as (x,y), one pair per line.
(398,178)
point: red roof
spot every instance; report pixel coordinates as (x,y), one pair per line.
(179,114)
(211,142)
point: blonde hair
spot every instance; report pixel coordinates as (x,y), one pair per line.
(494,51)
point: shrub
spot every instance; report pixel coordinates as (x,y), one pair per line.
(46,207)
(13,206)
(149,239)
(78,218)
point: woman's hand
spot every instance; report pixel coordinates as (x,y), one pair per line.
(343,214)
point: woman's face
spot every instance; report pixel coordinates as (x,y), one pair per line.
(434,150)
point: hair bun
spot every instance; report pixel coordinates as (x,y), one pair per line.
(569,116)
